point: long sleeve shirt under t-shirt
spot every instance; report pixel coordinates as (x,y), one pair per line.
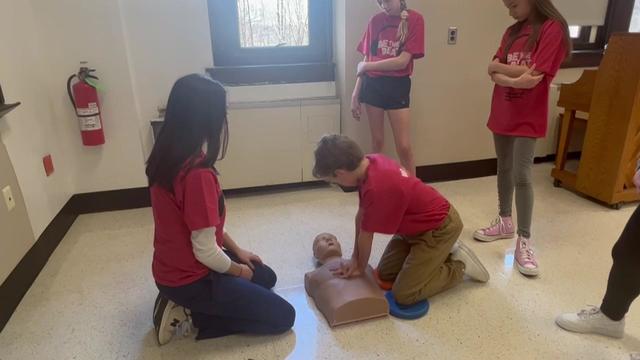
(189,228)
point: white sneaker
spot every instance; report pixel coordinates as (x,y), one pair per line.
(473,267)
(455,247)
(170,319)
(591,321)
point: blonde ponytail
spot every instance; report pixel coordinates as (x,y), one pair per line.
(403,28)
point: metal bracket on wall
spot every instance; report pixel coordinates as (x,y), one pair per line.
(5,108)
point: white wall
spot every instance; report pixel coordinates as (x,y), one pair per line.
(166,39)
(92,30)
(30,131)
(451,92)
(43,43)
(141,46)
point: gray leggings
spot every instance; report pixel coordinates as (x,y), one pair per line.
(515,158)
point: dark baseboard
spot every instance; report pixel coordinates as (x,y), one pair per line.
(473,169)
(25,273)
(270,189)
(22,277)
(574,155)
(136,198)
(457,171)
(114,200)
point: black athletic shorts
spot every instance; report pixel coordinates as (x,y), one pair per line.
(386,92)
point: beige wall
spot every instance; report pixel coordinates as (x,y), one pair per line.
(16,236)
(350,20)
(451,92)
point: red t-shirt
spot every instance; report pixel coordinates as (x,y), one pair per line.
(197,203)
(380,42)
(392,202)
(524,112)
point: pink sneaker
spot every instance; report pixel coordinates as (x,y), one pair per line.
(526,258)
(501,228)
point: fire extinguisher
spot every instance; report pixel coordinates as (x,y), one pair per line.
(84,97)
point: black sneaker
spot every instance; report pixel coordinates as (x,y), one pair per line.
(170,319)
(156,319)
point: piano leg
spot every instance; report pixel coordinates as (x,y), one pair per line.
(566,127)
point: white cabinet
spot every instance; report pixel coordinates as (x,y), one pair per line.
(272,143)
(317,120)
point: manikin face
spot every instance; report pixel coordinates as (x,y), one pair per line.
(325,246)
(519,9)
(391,7)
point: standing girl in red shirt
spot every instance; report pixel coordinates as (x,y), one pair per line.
(393,39)
(528,59)
(196,264)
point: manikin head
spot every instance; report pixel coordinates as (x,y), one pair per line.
(325,247)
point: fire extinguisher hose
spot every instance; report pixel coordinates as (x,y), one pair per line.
(70,93)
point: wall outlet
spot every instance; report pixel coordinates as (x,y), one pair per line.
(9,200)
(452,36)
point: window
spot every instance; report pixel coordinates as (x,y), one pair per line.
(584,37)
(271,41)
(273,23)
(635,18)
(574,31)
(589,41)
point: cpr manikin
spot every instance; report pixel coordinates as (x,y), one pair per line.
(340,300)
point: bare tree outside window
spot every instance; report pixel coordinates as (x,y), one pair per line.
(273,23)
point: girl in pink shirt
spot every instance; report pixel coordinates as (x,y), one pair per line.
(528,59)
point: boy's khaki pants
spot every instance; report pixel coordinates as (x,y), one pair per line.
(421,265)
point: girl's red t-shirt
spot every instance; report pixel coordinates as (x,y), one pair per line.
(524,112)
(379,41)
(196,203)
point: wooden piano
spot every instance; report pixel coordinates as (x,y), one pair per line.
(611,97)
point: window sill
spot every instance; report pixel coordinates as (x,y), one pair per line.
(273,74)
(584,58)
(280,92)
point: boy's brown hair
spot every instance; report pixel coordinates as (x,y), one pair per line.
(336,152)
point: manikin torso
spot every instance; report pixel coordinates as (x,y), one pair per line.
(343,301)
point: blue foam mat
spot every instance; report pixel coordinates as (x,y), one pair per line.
(408,312)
